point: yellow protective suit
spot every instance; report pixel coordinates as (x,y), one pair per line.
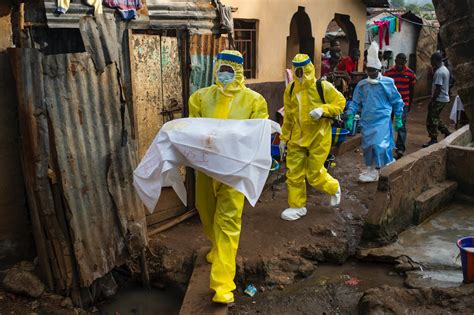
(308,141)
(220,206)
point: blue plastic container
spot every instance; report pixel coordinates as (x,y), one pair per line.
(339,136)
(275,151)
(466,246)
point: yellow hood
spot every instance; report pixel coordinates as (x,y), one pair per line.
(309,77)
(236,61)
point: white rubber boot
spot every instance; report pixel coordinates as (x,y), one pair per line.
(292,214)
(370,176)
(336,199)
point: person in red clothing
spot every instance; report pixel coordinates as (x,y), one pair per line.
(405,80)
(349,63)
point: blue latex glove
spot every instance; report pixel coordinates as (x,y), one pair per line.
(398,123)
(349,121)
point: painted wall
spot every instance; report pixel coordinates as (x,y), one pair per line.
(274,18)
(15,234)
(400,42)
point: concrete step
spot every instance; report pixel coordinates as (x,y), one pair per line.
(430,201)
(198,298)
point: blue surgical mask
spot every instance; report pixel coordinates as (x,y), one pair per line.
(225,77)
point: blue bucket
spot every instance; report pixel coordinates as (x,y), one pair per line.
(274,148)
(275,151)
(339,135)
(466,246)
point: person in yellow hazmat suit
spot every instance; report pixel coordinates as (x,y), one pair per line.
(220,206)
(307,134)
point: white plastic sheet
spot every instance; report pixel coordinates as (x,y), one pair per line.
(234,152)
(458,107)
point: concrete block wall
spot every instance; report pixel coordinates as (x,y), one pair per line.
(394,207)
(461,163)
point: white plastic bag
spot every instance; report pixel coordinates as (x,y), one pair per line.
(234,152)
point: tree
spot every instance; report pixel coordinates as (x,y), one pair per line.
(413,8)
(398,3)
(428,7)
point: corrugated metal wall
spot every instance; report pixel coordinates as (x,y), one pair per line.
(198,15)
(78,158)
(203,48)
(95,161)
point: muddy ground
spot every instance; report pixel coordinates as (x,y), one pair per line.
(300,267)
(279,256)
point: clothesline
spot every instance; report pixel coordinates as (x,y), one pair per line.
(409,21)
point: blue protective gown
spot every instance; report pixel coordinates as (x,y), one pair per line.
(377,102)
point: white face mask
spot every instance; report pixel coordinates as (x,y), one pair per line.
(374,81)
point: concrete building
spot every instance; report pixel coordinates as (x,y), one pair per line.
(406,40)
(271,32)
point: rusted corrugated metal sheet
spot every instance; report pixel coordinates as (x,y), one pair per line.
(195,15)
(52,244)
(101,39)
(203,48)
(95,165)
(78,163)
(77,10)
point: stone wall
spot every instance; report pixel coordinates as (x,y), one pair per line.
(394,207)
(457,35)
(461,163)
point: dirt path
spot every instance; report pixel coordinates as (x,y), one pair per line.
(274,253)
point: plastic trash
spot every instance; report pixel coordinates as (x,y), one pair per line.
(250,290)
(352,281)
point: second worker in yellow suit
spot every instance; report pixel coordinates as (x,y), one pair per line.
(306,132)
(220,206)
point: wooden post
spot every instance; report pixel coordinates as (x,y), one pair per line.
(144,270)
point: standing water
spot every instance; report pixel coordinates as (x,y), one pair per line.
(137,300)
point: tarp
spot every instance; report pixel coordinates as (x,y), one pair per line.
(234,152)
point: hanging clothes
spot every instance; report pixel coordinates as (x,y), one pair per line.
(391,23)
(126,8)
(384,32)
(63,6)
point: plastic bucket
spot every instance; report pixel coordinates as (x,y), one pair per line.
(466,246)
(274,148)
(275,166)
(339,135)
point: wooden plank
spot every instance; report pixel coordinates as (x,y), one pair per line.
(147,91)
(198,298)
(168,206)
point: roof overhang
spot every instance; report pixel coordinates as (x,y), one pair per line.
(377,3)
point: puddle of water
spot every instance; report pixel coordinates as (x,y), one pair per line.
(370,275)
(139,301)
(438,278)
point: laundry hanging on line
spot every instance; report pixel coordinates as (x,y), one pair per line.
(126,8)
(383,28)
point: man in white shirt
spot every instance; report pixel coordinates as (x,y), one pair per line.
(439,100)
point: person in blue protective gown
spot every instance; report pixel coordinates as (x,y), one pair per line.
(377,98)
